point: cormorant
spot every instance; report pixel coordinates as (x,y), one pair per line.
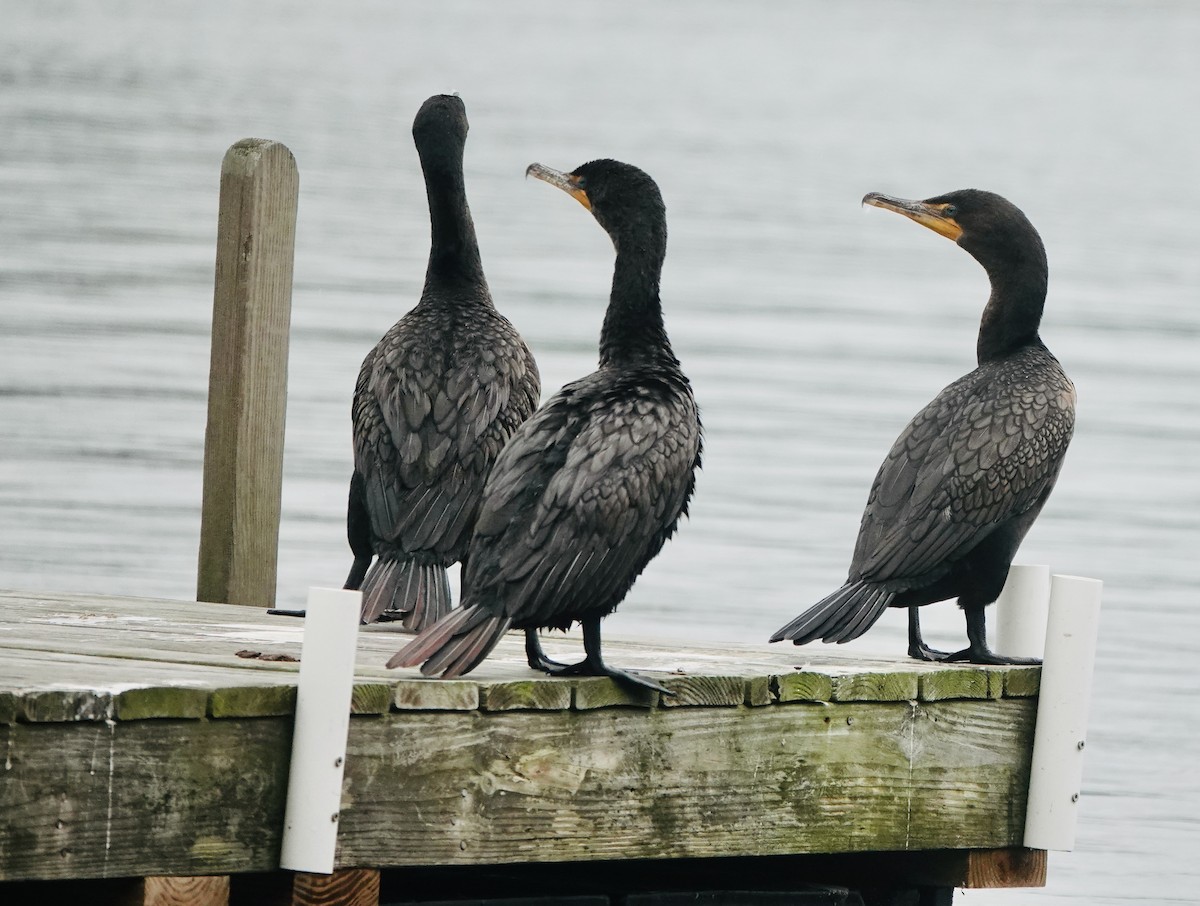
(966,479)
(435,401)
(590,487)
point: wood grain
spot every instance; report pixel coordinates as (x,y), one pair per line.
(1013,866)
(625,783)
(247,389)
(345,887)
(181,891)
(147,797)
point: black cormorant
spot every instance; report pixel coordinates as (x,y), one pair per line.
(587,490)
(968,476)
(435,401)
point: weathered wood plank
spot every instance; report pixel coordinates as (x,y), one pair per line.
(602,692)
(370,698)
(875,687)
(247,391)
(759,691)
(470,787)
(163,797)
(252,701)
(710,691)
(8,707)
(954,682)
(804,686)
(1022,682)
(65,705)
(160,702)
(435,695)
(527,695)
(198,637)
(627,783)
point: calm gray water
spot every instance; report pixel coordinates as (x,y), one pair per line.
(812,329)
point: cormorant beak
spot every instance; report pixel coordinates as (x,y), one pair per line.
(564,181)
(928,215)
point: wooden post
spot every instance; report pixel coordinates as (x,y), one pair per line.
(199,891)
(345,887)
(247,390)
(247,405)
(1012,866)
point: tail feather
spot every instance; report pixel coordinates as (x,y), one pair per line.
(398,588)
(427,643)
(844,615)
(869,610)
(455,644)
(466,652)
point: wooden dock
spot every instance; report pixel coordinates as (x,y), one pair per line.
(149,737)
(146,744)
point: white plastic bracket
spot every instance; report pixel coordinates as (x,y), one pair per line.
(314,793)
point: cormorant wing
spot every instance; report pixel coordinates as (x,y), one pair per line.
(432,431)
(987,449)
(583,496)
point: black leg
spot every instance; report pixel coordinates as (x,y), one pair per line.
(536,656)
(358,572)
(593,664)
(358,533)
(916,645)
(978,651)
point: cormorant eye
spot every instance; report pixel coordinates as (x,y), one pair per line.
(950,210)
(581,182)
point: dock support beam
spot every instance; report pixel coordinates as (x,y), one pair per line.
(199,891)
(345,887)
(247,391)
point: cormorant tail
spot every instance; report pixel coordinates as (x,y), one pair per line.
(454,645)
(844,615)
(398,588)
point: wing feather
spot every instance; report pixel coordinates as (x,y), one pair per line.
(987,449)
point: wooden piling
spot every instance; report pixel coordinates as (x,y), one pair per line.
(247,393)
(247,406)
(345,887)
(187,891)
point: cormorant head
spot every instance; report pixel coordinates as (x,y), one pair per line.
(991,228)
(622,198)
(440,125)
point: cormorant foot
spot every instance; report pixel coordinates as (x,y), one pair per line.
(988,657)
(625,678)
(586,667)
(536,657)
(545,664)
(923,652)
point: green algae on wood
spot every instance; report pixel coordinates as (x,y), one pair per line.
(160,702)
(252,701)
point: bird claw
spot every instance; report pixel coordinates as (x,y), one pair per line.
(546,665)
(987,657)
(621,677)
(923,652)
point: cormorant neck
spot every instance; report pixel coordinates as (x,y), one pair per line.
(1014,311)
(633,331)
(454,250)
